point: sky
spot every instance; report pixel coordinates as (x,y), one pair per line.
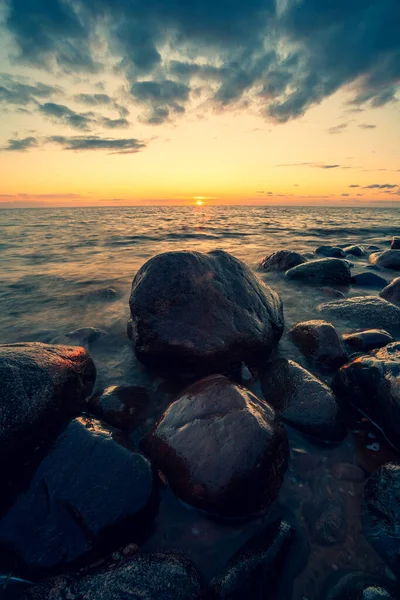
(262,102)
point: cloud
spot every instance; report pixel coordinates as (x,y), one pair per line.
(338,128)
(85,121)
(367,126)
(345,195)
(94,99)
(160,97)
(78,144)
(380,186)
(20,145)
(23,91)
(354,185)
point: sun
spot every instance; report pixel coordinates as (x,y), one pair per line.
(199,200)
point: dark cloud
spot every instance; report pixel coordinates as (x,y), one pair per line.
(354,185)
(367,126)
(94,99)
(84,121)
(381,186)
(22,91)
(345,195)
(80,143)
(338,128)
(20,145)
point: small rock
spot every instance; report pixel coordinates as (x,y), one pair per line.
(391,293)
(81,337)
(320,343)
(373,248)
(120,406)
(389,259)
(365,341)
(369,280)
(395,245)
(326,521)
(330,252)
(324,270)
(332,293)
(363,311)
(360,586)
(354,251)
(283,260)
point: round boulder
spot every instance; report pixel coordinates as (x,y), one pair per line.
(202,313)
(357,251)
(360,586)
(365,341)
(222,449)
(324,270)
(389,259)
(369,280)
(391,293)
(320,343)
(283,260)
(330,252)
(120,406)
(363,311)
(302,400)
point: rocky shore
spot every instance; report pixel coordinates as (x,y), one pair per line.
(229,470)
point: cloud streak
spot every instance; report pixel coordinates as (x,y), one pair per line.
(77,144)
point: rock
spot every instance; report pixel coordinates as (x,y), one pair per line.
(391,293)
(42,388)
(255,571)
(347,472)
(365,341)
(363,311)
(330,252)
(146,576)
(202,313)
(324,270)
(371,383)
(395,245)
(332,293)
(360,586)
(381,513)
(326,521)
(354,251)
(389,259)
(320,343)
(11,588)
(81,337)
(369,280)
(283,260)
(221,448)
(120,406)
(373,248)
(302,400)
(87,496)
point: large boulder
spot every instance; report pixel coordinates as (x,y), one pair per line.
(357,251)
(120,406)
(88,494)
(330,251)
(324,270)
(320,343)
(283,260)
(202,313)
(42,388)
(302,400)
(145,577)
(222,449)
(363,311)
(371,383)
(371,280)
(381,513)
(360,586)
(391,293)
(365,341)
(389,259)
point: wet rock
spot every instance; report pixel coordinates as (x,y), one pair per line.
(363,311)
(326,521)
(146,576)
(42,387)
(395,245)
(202,313)
(391,293)
(381,513)
(389,259)
(120,406)
(369,280)
(347,472)
(373,248)
(330,252)
(283,260)
(12,588)
(360,586)
(80,337)
(88,495)
(324,270)
(332,293)
(255,571)
(357,251)
(221,448)
(302,400)
(320,343)
(365,341)
(371,384)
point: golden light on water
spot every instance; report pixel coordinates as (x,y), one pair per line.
(199,200)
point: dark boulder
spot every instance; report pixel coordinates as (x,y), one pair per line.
(330,252)
(395,245)
(369,280)
(326,521)
(365,341)
(302,400)
(283,260)
(373,248)
(389,259)
(363,311)
(391,293)
(320,343)
(42,388)
(324,270)
(360,586)
(202,313)
(144,577)
(221,448)
(87,496)
(371,384)
(81,337)
(120,406)
(381,513)
(357,251)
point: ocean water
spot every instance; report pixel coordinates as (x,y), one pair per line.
(64,269)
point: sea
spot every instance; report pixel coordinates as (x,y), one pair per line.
(63,269)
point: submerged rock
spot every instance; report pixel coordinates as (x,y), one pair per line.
(320,343)
(324,270)
(120,406)
(326,521)
(371,383)
(87,496)
(354,251)
(221,448)
(395,245)
(302,400)
(146,576)
(369,280)
(365,341)
(363,311)
(283,260)
(81,337)
(202,313)
(42,388)
(360,586)
(330,252)
(381,513)
(391,293)
(389,259)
